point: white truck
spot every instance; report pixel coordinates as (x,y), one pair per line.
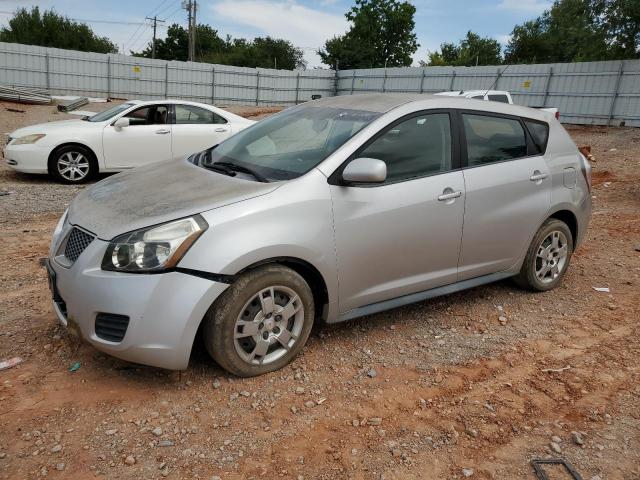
(494,96)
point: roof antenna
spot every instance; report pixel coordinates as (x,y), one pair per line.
(495,82)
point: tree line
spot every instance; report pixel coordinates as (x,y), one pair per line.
(381,34)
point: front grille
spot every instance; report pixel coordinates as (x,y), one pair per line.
(111,327)
(76,243)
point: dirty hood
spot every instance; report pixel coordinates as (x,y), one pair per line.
(157,193)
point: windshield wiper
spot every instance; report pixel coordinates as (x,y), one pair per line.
(219,168)
(241,168)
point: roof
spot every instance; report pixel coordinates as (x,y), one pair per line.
(374,102)
(468,93)
(384,102)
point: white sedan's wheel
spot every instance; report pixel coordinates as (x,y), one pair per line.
(72,164)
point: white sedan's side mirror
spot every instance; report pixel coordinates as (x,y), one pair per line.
(121,123)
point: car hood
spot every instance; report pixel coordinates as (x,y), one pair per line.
(157,193)
(49,127)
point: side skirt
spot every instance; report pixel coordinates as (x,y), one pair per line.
(420,296)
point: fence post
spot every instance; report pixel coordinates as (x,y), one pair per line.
(384,80)
(257,87)
(453,79)
(108,77)
(546,87)
(615,93)
(166,80)
(498,74)
(213,85)
(424,74)
(353,81)
(46,63)
(297,87)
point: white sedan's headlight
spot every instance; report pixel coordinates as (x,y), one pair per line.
(28,139)
(155,248)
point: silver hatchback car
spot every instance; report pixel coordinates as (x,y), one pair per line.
(330,210)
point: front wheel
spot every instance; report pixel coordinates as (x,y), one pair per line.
(548,257)
(261,322)
(73,164)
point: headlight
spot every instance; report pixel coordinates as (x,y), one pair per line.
(57,232)
(154,248)
(28,139)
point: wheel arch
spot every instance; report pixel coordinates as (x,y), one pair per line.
(69,144)
(307,271)
(570,219)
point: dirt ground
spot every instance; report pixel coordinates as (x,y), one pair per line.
(441,389)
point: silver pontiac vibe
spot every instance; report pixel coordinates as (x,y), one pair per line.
(330,210)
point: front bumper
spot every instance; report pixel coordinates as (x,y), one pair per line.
(30,158)
(164,310)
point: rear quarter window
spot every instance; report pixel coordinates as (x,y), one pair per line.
(499,98)
(539,132)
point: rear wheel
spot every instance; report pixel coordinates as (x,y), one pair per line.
(73,164)
(548,257)
(261,322)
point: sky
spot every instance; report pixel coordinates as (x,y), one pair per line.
(306,23)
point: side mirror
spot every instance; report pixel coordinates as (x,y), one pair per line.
(121,123)
(365,170)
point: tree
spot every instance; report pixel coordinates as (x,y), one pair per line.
(471,50)
(260,52)
(52,30)
(578,30)
(381,35)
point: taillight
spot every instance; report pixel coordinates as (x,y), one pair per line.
(557,114)
(585,167)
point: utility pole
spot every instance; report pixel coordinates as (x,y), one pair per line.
(155,24)
(190,6)
(194,30)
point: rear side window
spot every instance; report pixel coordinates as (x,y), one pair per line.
(539,132)
(499,98)
(414,148)
(189,114)
(493,139)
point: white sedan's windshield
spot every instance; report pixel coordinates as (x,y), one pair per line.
(109,113)
(290,143)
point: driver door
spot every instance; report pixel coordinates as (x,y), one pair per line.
(401,236)
(147,138)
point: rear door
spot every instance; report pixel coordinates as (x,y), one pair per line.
(401,236)
(147,138)
(196,129)
(508,191)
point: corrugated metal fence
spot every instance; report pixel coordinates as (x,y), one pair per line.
(68,72)
(601,93)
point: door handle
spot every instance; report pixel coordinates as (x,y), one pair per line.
(163,131)
(537,176)
(449,195)
(220,129)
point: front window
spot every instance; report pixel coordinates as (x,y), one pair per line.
(290,143)
(109,113)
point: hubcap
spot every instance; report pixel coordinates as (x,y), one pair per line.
(551,257)
(73,166)
(269,325)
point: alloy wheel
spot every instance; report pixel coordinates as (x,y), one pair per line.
(73,166)
(551,257)
(268,325)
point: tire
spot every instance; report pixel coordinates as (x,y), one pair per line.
(73,164)
(241,310)
(547,258)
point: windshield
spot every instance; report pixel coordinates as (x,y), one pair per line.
(111,112)
(289,144)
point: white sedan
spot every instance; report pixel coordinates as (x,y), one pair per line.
(125,136)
